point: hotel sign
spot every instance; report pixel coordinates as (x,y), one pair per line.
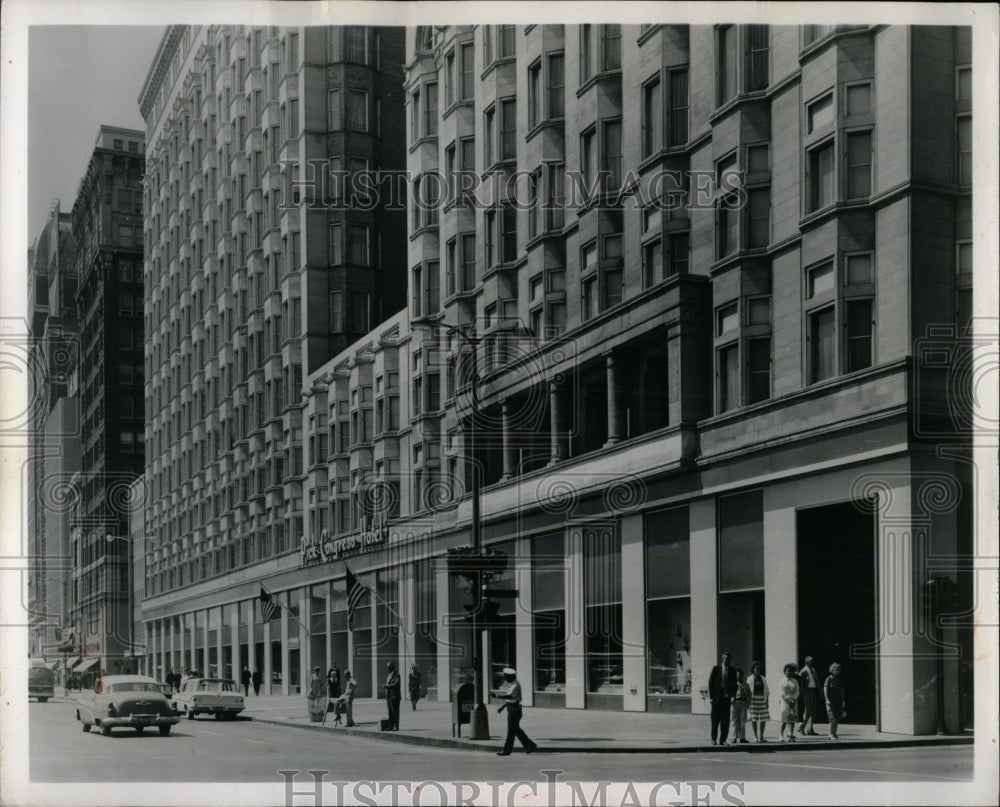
(327,549)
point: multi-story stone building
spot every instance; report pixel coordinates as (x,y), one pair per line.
(258,271)
(54,449)
(698,339)
(108,380)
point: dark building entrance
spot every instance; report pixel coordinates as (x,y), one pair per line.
(836,601)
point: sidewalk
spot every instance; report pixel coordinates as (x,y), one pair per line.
(570,730)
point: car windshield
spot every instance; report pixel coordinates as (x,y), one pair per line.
(216,685)
(133,686)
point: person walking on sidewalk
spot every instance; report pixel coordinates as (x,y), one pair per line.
(245,681)
(809,680)
(833,691)
(721,688)
(741,705)
(393,695)
(348,697)
(317,696)
(413,685)
(512,694)
(789,702)
(759,697)
(256,679)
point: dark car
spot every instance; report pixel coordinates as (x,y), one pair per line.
(133,701)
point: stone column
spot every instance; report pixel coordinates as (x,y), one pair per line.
(234,640)
(633,614)
(443,637)
(509,459)
(576,626)
(555,422)
(615,430)
(704,601)
(285,603)
(305,646)
(267,658)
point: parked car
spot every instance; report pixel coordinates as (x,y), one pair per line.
(41,680)
(135,701)
(217,696)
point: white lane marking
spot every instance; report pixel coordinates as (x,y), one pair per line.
(259,742)
(918,774)
(206,731)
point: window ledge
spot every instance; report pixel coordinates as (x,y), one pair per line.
(420,141)
(604,75)
(735,102)
(558,124)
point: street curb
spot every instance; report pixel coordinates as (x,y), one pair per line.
(768,747)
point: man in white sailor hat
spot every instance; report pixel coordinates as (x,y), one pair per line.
(512,694)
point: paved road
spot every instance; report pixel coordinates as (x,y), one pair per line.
(206,750)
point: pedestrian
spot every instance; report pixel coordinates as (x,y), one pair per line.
(393,695)
(256,679)
(317,696)
(789,702)
(741,705)
(336,675)
(413,685)
(332,684)
(759,697)
(721,688)
(349,686)
(836,703)
(809,681)
(512,694)
(245,680)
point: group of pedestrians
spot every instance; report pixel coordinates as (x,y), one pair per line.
(248,678)
(736,700)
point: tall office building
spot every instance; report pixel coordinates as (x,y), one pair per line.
(695,300)
(108,382)
(258,270)
(54,448)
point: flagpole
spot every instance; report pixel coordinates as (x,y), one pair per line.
(395,613)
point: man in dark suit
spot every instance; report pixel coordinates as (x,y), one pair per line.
(721,688)
(257,678)
(245,681)
(393,695)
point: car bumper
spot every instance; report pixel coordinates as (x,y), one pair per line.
(140,720)
(211,710)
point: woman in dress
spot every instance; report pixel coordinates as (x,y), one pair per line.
(349,686)
(789,702)
(833,690)
(741,705)
(759,696)
(413,686)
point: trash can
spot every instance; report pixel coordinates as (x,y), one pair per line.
(462,704)
(317,709)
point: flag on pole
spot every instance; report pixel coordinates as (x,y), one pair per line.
(268,605)
(355,593)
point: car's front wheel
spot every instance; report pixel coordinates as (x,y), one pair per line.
(85,727)
(165,730)
(106,731)
(42,700)
(140,729)
(190,713)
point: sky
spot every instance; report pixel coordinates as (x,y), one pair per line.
(78,78)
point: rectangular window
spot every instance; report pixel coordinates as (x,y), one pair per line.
(821,177)
(822,345)
(758,370)
(489,121)
(534,94)
(729,387)
(508,129)
(757,57)
(508,234)
(741,541)
(449,79)
(430,110)
(433,287)
(466,66)
(652,262)
(556,196)
(652,117)
(357,244)
(334,112)
(337,311)
(759,217)
(586,52)
(820,114)
(505,41)
(611,47)
(415,115)
(859,269)
(820,280)
(336,244)
(613,160)
(357,111)
(589,296)
(964,138)
(679,248)
(587,166)
(354,44)
(859,165)
(859,100)
(557,86)
(860,329)
(468,275)
(725,61)
(614,289)
(727,319)
(678,108)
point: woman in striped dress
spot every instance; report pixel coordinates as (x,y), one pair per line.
(759,697)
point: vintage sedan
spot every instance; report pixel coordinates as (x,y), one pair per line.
(133,701)
(215,696)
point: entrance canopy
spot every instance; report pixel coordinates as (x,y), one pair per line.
(87,664)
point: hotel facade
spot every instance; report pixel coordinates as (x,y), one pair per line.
(691,299)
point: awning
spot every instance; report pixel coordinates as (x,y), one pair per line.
(74,662)
(90,662)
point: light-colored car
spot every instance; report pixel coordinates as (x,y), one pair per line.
(133,701)
(217,696)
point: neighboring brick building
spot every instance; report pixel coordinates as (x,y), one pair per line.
(258,271)
(718,424)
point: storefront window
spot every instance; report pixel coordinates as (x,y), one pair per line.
(318,606)
(668,602)
(548,577)
(503,646)
(603,606)
(387,587)
(425,641)
(741,541)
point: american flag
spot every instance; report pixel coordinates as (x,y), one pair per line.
(355,593)
(268,606)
